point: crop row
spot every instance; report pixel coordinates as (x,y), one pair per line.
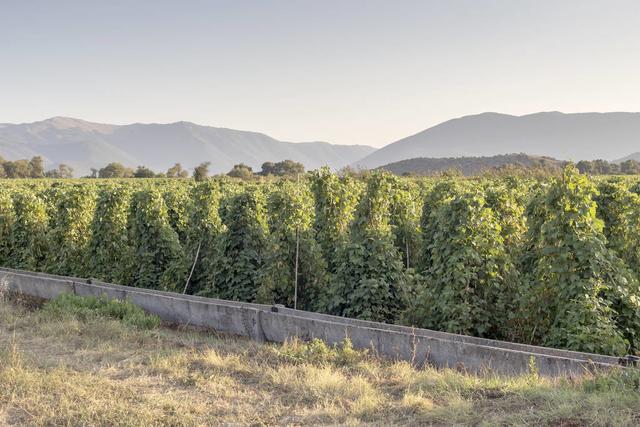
(554,262)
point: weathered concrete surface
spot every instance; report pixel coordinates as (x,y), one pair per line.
(277,324)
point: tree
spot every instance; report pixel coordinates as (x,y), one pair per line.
(630,167)
(283,168)
(144,172)
(62,171)
(584,166)
(36,166)
(18,169)
(268,168)
(201,171)
(115,170)
(241,171)
(176,171)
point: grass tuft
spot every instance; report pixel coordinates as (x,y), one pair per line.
(318,352)
(90,307)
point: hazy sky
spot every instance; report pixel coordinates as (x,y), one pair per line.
(347,71)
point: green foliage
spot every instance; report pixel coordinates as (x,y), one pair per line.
(7,220)
(201,172)
(283,168)
(71,228)
(241,171)
(371,282)
(619,209)
(290,207)
(176,171)
(204,229)
(435,196)
(508,257)
(507,199)
(318,352)
(335,202)
(157,260)
(243,245)
(144,172)
(467,283)
(578,294)
(115,170)
(178,201)
(405,221)
(29,245)
(108,249)
(90,307)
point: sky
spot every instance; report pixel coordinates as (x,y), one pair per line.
(346,71)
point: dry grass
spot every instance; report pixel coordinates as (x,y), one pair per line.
(59,370)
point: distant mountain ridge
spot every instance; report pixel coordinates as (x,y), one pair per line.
(574,136)
(633,156)
(85,145)
(470,166)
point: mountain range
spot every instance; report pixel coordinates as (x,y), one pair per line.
(85,145)
(578,136)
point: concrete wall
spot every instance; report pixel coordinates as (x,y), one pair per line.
(277,324)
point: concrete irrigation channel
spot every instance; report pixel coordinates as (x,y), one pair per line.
(277,324)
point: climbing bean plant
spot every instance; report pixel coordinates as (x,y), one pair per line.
(550,261)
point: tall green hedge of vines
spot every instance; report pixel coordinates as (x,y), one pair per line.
(547,261)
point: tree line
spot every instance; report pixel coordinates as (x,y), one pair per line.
(603,167)
(200,172)
(33,168)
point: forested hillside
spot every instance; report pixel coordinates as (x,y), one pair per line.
(469,166)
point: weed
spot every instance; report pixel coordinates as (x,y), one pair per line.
(90,307)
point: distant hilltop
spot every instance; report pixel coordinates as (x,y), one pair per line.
(469,166)
(579,136)
(85,145)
